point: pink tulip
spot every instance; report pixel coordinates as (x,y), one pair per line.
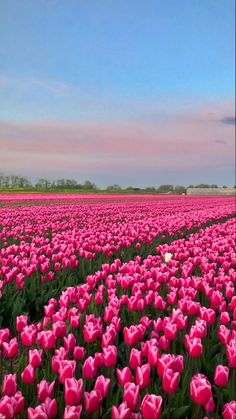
(153,356)
(102,385)
(194,346)
(229,410)
(92,401)
(9,385)
(143,376)
(72,412)
(35,357)
(210,406)
(231,353)
(10,348)
(122,412)
(66,370)
(73,391)
(124,376)
(110,356)
(59,329)
(131,395)
(69,342)
(28,375)
(78,353)
(50,406)
(170,381)
(221,376)
(44,390)
(21,322)
(224,317)
(28,336)
(6,408)
(151,406)
(89,370)
(200,389)
(18,403)
(135,359)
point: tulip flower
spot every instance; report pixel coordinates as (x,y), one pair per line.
(66,370)
(72,412)
(135,359)
(6,408)
(21,322)
(110,356)
(28,375)
(122,412)
(92,401)
(50,406)
(18,403)
(78,353)
(73,391)
(153,356)
(124,376)
(102,385)
(170,381)
(200,389)
(210,406)
(9,385)
(28,336)
(151,406)
(44,390)
(221,376)
(193,346)
(35,357)
(143,376)
(229,410)
(89,370)
(231,353)
(131,395)
(10,348)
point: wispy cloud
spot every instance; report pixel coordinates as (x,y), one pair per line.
(53,86)
(220,142)
(229,120)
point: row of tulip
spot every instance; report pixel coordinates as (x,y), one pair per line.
(143,339)
(45,249)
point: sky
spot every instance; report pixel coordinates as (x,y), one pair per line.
(131,92)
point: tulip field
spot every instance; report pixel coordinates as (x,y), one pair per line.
(117,307)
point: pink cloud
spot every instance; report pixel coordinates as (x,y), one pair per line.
(127,139)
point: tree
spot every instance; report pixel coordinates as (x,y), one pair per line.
(114,187)
(43,183)
(89,185)
(165,188)
(180,189)
(150,189)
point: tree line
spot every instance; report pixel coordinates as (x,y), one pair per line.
(20,182)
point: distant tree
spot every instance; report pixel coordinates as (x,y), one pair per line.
(70,183)
(203,185)
(165,188)
(180,189)
(224,186)
(114,187)
(43,183)
(89,185)
(150,189)
(214,186)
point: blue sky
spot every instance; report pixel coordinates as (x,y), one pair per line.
(118,91)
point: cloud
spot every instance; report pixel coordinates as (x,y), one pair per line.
(53,86)
(220,142)
(229,120)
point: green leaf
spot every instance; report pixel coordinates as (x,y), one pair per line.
(181,412)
